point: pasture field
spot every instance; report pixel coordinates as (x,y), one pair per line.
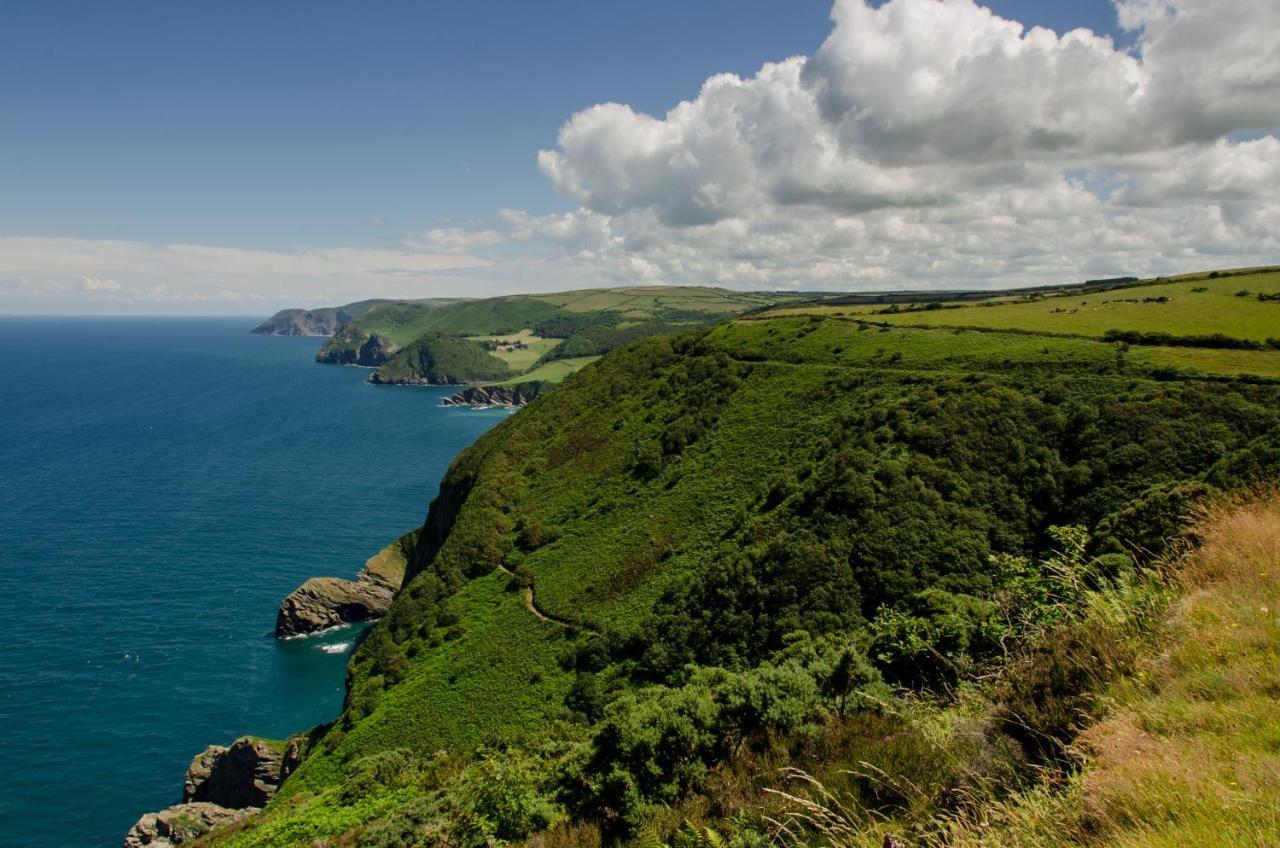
(553,372)
(519,360)
(1263,363)
(1192,306)
(651,301)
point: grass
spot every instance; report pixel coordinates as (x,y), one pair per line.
(522,359)
(1265,363)
(1189,754)
(647,301)
(1217,309)
(553,372)
(499,671)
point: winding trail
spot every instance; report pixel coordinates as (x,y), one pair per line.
(531,604)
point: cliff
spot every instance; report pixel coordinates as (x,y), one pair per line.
(325,321)
(223,785)
(353,346)
(482,397)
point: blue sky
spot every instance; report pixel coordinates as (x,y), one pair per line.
(241,156)
(281,124)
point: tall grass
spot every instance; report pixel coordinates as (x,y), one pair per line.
(1183,748)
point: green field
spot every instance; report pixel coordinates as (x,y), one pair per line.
(1220,308)
(647,301)
(520,360)
(552,372)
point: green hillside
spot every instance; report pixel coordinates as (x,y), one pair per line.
(805,541)
(438,359)
(568,326)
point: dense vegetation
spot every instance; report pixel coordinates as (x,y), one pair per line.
(883,554)
(441,360)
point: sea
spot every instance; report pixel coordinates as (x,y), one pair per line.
(164,483)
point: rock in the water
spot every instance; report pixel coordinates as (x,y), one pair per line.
(324,602)
(181,823)
(488,396)
(245,775)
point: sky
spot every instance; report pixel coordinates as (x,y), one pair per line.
(237,158)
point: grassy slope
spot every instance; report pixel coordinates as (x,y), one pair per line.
(523,359)
(440,359)
(553,372)
(1189,755)
(645,301)
(565,463)
(1216,310)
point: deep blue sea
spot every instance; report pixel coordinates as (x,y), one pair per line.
(163,484)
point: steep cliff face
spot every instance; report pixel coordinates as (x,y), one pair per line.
(223,784)
(352,346)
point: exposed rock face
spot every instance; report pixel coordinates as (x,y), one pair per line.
(181,823)
(376,350)
(487,396)
(245,775)
(352,346)
(303,322)
(223,785)
(324,602)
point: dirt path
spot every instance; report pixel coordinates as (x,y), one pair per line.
(531,604)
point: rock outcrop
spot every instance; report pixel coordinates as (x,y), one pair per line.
(325,602)
(246,774)
(482,397)
(353,346)
(223,785)
(182,823)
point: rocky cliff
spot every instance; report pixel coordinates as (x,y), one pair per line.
(303,322)
(353,346)
(324,602)
(223,784)
(483,397)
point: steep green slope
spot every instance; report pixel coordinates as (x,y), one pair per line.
(438,360)
(704,499)
(704,546)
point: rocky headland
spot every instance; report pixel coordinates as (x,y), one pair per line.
(223,784)
(324,602)
(352,346)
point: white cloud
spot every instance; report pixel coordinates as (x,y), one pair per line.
(930,142)
(94,284)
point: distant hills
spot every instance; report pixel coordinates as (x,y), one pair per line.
(534,337)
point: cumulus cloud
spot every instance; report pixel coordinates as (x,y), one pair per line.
(931,141)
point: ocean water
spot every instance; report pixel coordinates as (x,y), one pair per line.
(163,484)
